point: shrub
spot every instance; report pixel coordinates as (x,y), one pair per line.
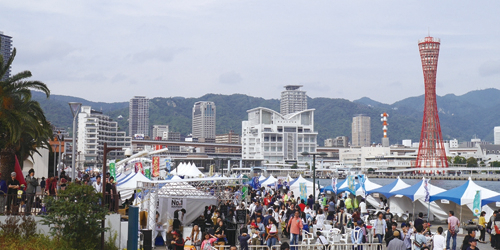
(10,227)
(28,227)
(75,216)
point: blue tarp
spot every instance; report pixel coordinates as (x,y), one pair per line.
(262,181)
(385,190)
(490,200)
(409,191)
(330,188)
(454,194)
(125,179)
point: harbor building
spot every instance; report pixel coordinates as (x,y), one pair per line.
(275,138)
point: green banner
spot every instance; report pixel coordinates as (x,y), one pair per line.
(476,205)
(112,170)
(147,173)
(244,190)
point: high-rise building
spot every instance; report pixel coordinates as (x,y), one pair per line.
(204,120)
(293,100)
(431,151)
(158,132)
(361,134)
(5,51)
(229,138)
(339,141)
(273,137)
(94,129)
(138,116)
(496,135)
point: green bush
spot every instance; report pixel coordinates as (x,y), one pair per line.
(75,216)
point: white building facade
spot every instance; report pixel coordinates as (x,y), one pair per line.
(94,129)
(496,135)
(275,138)
(138,116)
(158,132)
(204,120)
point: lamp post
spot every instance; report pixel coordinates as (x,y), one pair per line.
(106,150)
(75,109)
(322,154)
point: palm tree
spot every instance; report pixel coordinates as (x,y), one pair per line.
(23,126)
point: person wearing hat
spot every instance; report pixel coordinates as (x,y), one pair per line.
(3,192)
(177,243)
(13,185)
(472,244)
(30,190)
(471,234)
(396,243)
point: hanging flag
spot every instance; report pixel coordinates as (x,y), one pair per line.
(350,184)
(156,166)
(139,168)
(303,191)
(255,183)
(244,191)
(476,205)
(19,173)
(112,170)
(427,190)
(148,173)
(362,180)
(334,185)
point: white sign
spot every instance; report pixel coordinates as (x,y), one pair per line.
(168,206)
(445,201)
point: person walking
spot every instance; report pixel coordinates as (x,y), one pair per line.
(30,190)
(438,240)
(295,226)
(380,227)
(482,227)
(453,227)
(13,185)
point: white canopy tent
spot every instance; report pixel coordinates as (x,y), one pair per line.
(270,180)
(128,184)
(295,187)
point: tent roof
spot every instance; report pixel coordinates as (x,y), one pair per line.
(130,182)
(417,191)
(387,190)
(269,180)
(369,186)
(464,194)
(299,180)
(490,200)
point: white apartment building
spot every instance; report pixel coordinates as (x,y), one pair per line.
(158,132)
(271,136)
(94,129)
(204,120)
(361,131)
(496,135)
(138,118)
(293,100)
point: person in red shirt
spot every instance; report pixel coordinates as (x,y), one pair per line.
(267,200)
(302,205)
(295,228)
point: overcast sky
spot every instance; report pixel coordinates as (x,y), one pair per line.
(113,50)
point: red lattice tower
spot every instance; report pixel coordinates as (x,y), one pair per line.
(431,152)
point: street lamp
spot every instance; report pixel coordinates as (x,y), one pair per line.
(75,109)
(322,154)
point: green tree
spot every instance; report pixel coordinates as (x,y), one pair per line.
(459,160)
(75,216)
(294,166)
(495,164)
(23,126)
(472,162)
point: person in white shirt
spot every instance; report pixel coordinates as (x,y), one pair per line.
(439,242)
(97,184)
(362,207)
(320,219)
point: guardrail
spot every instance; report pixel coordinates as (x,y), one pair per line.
(336,246)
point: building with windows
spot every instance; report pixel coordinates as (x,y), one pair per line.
(270,136)
(138,116)
(339,141)
(5,50)
(94,129)
(293,100)
(158,132)
(496,135)
(204,120)
(361,135)
(229,138)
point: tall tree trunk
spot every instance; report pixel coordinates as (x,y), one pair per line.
(7,162)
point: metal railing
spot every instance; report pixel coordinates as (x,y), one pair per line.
(335,246)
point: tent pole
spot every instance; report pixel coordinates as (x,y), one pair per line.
(460,214)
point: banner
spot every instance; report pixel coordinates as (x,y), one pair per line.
(244,191)
(156,166)
(147,173)
(112,170)
(138,167)
(167,162)
(172,205)
(255,183)
(476,205)
(362,179)
(334,185)
(350,184)
(303,191)
(427,190)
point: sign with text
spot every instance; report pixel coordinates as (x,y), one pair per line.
(112,170)
(303,191)
(156,166)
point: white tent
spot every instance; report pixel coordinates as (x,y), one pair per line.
(127,185)
(295,187)
(369,186)
(268,181)
(262,177)
(390,188)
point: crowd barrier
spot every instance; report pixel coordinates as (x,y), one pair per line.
(339,246)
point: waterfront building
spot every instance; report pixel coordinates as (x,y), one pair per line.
(339,141)
(159,131)
(270,136)
(361,131)
(139,116)
(94,129)
(204,120)
(496,135)
(229,138)
(293,100)
(5,51)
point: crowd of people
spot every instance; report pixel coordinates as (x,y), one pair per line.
(16,198)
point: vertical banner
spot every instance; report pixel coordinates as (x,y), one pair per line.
(139,168)
(334,185)
(255,183)
(427,190)
(244,190)
(350,184)
(362,179)
(156,166)
(476,205)
(112,170)
(228,167)
(303,191)
(148,173)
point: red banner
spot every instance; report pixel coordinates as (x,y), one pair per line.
(156,166)
(139,168)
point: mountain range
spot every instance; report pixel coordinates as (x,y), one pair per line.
(463,117)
